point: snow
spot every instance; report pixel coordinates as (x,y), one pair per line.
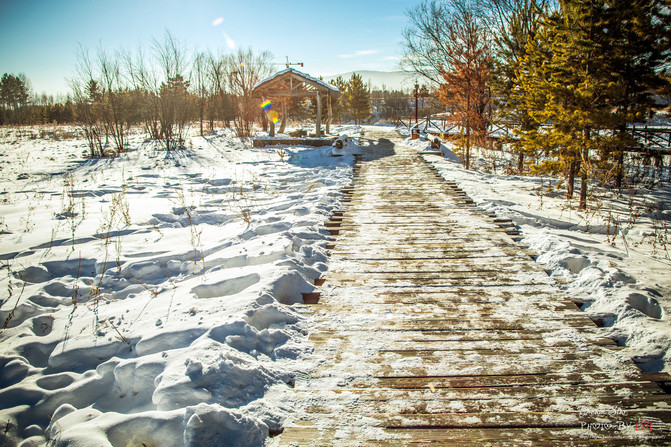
(613,258)
(155,298)
(312,79)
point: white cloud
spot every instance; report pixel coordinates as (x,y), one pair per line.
(359,54)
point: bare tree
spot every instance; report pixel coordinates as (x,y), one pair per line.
(113,99)
(426,48)
(87,98)
(172,61)
(245,69)
(221,104)
(448,43)
(145,84)
(200,85)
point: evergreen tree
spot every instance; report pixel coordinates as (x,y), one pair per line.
(585,75)
(638,34)
(358,99)
(518,22)
(14,96)
(566,84)
(340,106)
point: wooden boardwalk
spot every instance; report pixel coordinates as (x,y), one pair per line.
(435,327)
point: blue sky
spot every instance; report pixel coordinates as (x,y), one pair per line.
(40,37)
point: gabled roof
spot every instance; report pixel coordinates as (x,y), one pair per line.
(291,82)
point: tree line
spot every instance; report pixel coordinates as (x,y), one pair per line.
(568,77)
(165,91)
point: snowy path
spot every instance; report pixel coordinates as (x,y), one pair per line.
(435,327)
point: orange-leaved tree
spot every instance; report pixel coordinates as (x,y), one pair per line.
(466,75)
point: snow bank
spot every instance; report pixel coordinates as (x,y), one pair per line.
(154,299)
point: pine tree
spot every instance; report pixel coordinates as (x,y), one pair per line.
(585,75)
(14,96)
(340,107)
(638,34)
(358,99)
(518,23)
(567,83)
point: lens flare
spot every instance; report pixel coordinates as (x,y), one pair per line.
(230,42)
(272,115)
(218,21)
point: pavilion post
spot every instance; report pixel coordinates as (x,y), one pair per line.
(330,117)
(284,115)
(318,130)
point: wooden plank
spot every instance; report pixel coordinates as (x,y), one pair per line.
(410,410)
(409,368)
(608,394)
(458,324)
(468,437)
(460,338)
(528,380)
(481,419)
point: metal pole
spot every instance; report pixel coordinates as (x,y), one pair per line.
(417,104)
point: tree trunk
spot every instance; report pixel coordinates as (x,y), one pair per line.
(583,170)
(570,181)
(620,160)
(468,147)
(620,169)
(468,125)
(520,163)
(583,190)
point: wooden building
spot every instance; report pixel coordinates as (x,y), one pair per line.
(291,83)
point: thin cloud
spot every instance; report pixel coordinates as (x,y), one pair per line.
(359,54)
(393,18)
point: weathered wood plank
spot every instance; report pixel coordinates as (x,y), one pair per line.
(469,437)
(466,339)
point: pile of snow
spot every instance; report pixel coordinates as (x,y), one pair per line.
(154,299)
(614,263)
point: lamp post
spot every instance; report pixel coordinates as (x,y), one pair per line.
(417,104)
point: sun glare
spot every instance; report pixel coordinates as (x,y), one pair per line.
(272,115)
(230,42)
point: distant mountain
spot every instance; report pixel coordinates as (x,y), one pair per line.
(392,80)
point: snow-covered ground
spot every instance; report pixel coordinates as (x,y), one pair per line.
(154,299)
(615,257)
(150,299)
